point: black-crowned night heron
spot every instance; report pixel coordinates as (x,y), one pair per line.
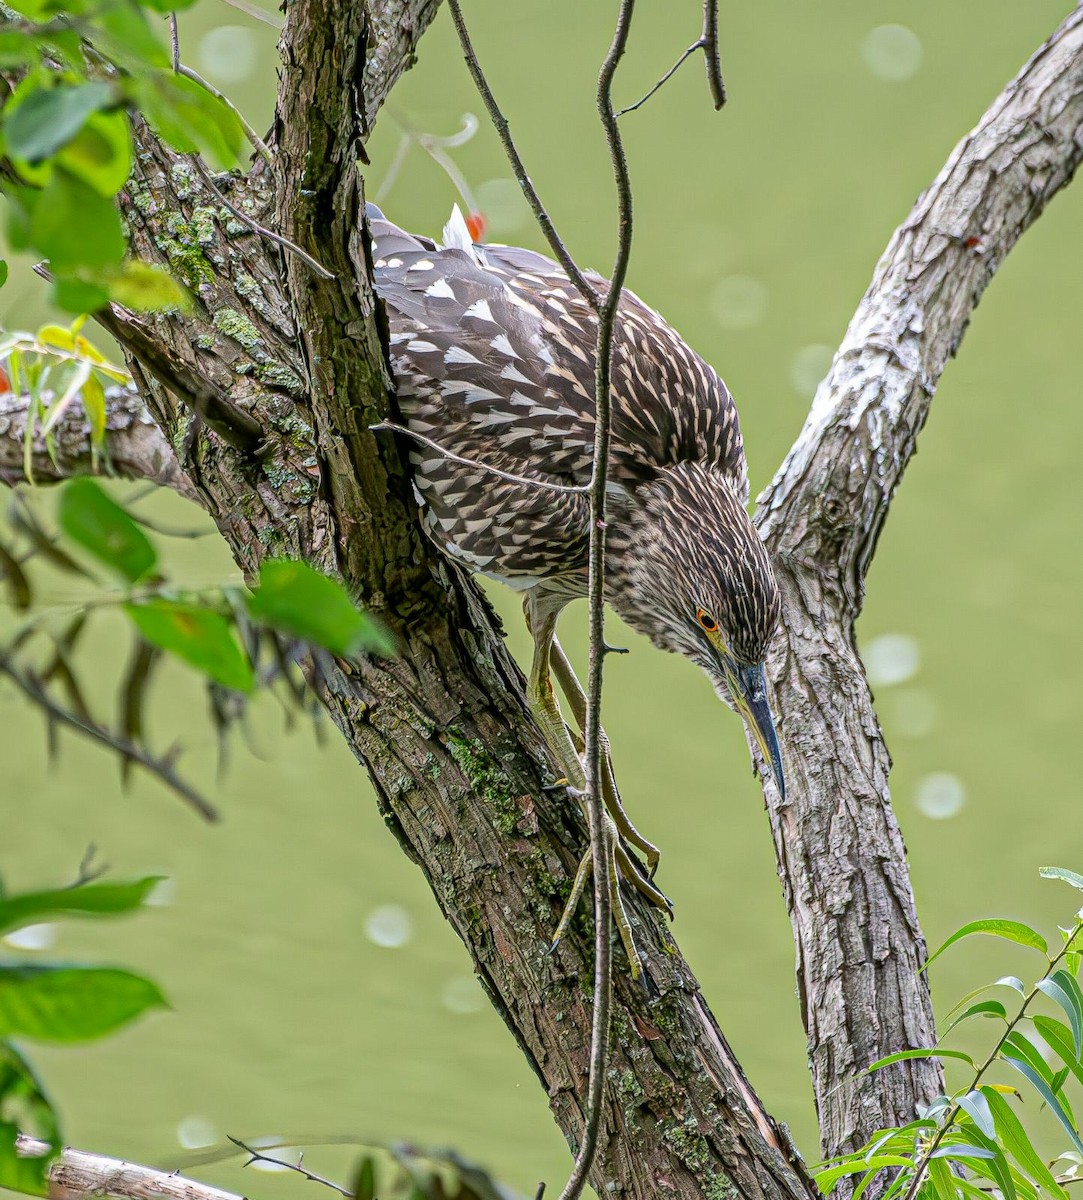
(493,352)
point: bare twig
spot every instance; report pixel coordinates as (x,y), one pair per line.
(592,735)
(258,144)
(174,41)
(451,456)
(255,1156)
(708,43)
(711,54)
(500,124)
(696,45)
(262,230)
(161,767)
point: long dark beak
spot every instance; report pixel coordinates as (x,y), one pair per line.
(750,696)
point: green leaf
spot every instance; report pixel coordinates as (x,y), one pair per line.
(77,296)
(188,117)
(198,635)
(24,1102)
(1062,873)
(1019,1044)
(1014,1138)
(901,1055)
(71,1004)
(47,117)
(97,523)
(958,1150)
(3,272)
(93,397)
(123,33)
(86,900)
(365,1186)
(297,600)
(976,1107)
(1063,989)
(143,287)
(100,154)
(1012,981)
(1059,1039)
(984,1008)
(942,1179)
(1049,1096)
(75,227)
(17,48)
(826,1179)
(1013,931)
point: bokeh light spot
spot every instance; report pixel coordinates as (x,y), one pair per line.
(194,1132)
(503,206)
(891,658)
(941,795)
(810,365)
(462,995)
(739,302)
(228,53)
(389,926)
(892,53)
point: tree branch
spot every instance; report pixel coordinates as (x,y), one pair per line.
(135,447)
(841,855)
(76,1175)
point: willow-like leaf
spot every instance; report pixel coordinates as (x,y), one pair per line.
(1012,931)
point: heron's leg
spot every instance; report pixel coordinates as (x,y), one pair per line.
(546,712)
(577,698)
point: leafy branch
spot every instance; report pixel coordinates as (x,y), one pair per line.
(292,623)
(975,1129)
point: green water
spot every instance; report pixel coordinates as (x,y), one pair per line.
(288,1019)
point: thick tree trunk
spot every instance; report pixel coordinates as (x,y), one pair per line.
(288,371)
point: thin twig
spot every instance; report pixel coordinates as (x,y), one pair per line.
(697,45)
(592,735)
(451,456)
(500,123)
(258,144)
(257,1156)
(174,41)
(711,53)
(262,230)
(161,767)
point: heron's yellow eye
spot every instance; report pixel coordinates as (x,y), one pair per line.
(707,622)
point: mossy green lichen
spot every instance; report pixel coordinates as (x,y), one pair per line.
(203,226)
(187,261)
(295,488)
(181,176)
(277,376)
(488,779)
(237,326)
(720,1187)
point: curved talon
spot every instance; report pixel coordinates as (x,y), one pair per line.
(631,872)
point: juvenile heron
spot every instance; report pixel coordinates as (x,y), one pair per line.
(493,351)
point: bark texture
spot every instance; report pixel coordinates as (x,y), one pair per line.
(287,372)
(841,855)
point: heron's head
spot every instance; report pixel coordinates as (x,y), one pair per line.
(687,568)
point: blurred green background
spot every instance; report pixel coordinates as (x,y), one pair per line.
(316,989)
